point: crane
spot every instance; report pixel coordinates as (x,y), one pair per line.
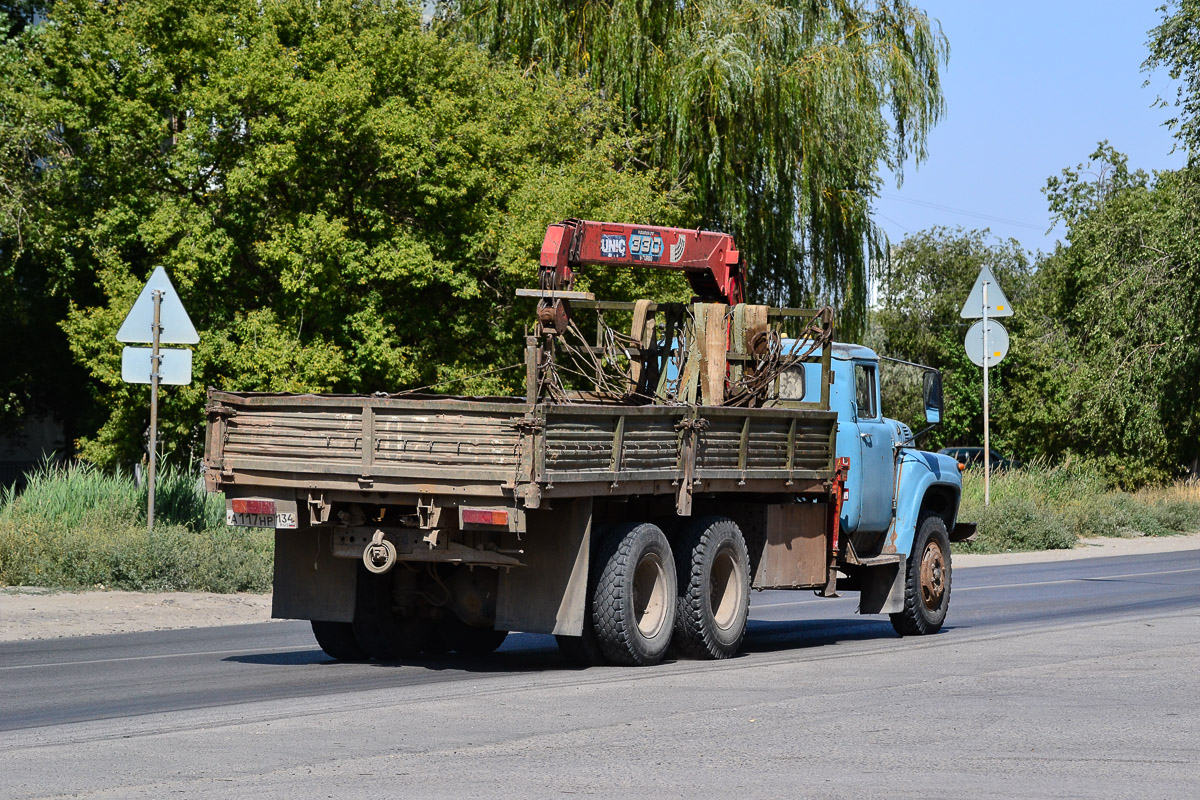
(709,259)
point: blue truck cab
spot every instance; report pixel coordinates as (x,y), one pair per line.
(901,503)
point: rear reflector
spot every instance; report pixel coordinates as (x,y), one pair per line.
(485,516)
(243,505)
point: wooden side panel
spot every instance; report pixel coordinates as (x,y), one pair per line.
(720,444)
(422,445)
(794,550)
(403,437)
(579,443)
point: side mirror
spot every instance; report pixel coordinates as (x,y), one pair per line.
(932,392)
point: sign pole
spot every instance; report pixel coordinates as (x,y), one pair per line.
(154,363)
(987,446)
(158,308)
(983,344)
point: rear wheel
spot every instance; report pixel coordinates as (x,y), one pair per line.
(927,581)
(469,640)
(382,631)
(338,641)
(633,605)
(714,588)
(582,651)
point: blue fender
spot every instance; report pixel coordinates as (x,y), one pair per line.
(925,478)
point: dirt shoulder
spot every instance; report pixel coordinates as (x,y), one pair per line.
(1086,548)
(27,613)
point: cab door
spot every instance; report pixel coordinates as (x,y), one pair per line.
(876,452)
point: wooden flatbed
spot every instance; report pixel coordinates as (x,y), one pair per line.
(510,450)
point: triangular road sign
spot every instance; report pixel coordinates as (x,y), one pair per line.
(997,303)
(177,327)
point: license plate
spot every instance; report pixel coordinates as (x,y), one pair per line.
(283,520)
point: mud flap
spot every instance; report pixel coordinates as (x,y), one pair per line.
(882,589)
(549,593)
(309,582)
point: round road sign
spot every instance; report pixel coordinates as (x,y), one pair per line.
(997,343)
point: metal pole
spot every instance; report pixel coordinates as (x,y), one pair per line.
(154,365)
(987,447)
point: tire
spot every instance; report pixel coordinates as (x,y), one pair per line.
(469,640)
(927,581)
(382,632)
(714,588)
(633,605)
(338,641)
(582,651)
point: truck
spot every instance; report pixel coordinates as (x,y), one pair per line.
(651,476)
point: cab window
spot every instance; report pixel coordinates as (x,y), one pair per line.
(864,391)
(791,383)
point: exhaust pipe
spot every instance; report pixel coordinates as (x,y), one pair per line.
(380,555)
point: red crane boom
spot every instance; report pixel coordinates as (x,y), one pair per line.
(710,260)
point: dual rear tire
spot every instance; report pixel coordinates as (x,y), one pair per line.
(643,596)
(714,588)
(338,641)
(633,604)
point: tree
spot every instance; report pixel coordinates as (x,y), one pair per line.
(1175,44)
(344,202)
(17,15)
(1114,361)
(917,319)
(1105,361)
(780,114)
(38,378)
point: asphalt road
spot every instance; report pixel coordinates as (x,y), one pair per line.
(1070,679)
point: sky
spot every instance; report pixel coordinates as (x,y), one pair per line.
(1031,88)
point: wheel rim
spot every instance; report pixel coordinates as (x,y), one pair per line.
(724,596)
(933,576)
(649,595)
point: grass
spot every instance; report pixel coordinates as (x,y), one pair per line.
(78,527)
(1050,507)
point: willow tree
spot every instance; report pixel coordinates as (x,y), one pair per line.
(780,115)
(1175,44)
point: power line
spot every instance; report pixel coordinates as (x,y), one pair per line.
(894,222)
(962,211)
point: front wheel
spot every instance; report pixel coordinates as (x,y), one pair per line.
(927,581)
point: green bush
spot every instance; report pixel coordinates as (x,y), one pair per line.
(80,527)
(1018,523)
(1048,507)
